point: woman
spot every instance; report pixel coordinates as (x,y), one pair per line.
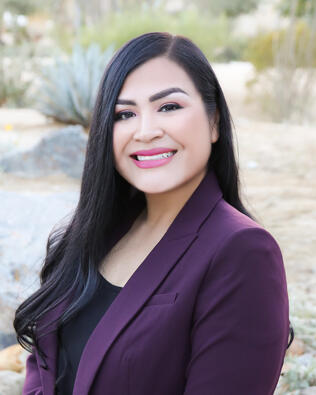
(162,282)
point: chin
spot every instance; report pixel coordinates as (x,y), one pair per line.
(154,191)
(156,186)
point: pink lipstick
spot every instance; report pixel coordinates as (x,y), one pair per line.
(160,156)
(153,151)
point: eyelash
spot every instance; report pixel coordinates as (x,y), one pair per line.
(118,118)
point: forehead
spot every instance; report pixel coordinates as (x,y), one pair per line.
(155,75)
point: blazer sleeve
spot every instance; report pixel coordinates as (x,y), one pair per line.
(32,383)
(241,319)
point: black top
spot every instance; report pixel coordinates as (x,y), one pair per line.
(76,332)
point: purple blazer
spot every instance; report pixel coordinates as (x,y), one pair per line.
(206,313)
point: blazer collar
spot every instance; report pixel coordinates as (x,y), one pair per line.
(151,272)
(197,208)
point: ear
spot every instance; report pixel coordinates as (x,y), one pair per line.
(215,127)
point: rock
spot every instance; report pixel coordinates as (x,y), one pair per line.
(21,117)
(11,383)
(297,347)
(13,358)
(308,391)
(26,221)
(61,151)
(7,339)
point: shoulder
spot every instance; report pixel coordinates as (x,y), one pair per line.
(244,256)
(244,285)
(229,227)
(236,242)
(249,245)
(246,248)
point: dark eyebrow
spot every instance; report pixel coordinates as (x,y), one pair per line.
(156,96)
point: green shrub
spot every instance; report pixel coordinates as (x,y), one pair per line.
(67,89)
(261,49)
(301,373)
(15,64)
(303,7)
(19,7)
(12,88)
(285,61)
(300,370)
(230,7)
(303,309)
(213,35)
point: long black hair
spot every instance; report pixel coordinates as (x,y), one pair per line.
(75,250)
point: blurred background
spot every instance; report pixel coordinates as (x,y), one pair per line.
(52,56)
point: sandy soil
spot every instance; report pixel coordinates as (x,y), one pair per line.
(281,190)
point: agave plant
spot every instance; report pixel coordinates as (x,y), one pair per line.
(67,90)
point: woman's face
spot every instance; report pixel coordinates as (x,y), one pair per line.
(149,117)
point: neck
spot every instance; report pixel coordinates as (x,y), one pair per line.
(162,208)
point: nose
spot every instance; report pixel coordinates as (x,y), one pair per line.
(147,130)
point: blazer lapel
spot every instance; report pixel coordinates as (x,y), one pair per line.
(145,280)
(48,375)
(48,344)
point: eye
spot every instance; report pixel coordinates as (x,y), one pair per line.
(121,115)
(169,107)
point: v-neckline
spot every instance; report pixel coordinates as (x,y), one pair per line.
(108,284)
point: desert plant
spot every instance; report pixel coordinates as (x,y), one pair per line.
(265,49)
(300,374)
(12,87)
(67,89)
(212,34)
(15,65)
(299,371)
(28,7)
(303,7)
(227,7)
(303,306)
(286,89)
(19,7)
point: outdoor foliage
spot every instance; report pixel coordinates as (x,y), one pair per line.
(261,49)
(67,89)
(300,370)
(213,35)
(302,8)
(301,374)
(228,7)
(286,61)
(12,87)
(19,7)
(15,66)
(27,7)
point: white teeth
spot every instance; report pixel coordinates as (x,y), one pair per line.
(153,157)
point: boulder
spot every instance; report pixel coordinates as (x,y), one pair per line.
(27,218)
(7,339)
(11,383)
(308,391)
(21,118)
(13,358)
(61,151)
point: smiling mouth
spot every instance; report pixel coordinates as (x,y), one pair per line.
(153,157)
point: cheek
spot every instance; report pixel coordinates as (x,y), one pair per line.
(118,147)
(192,131)
(119,140)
